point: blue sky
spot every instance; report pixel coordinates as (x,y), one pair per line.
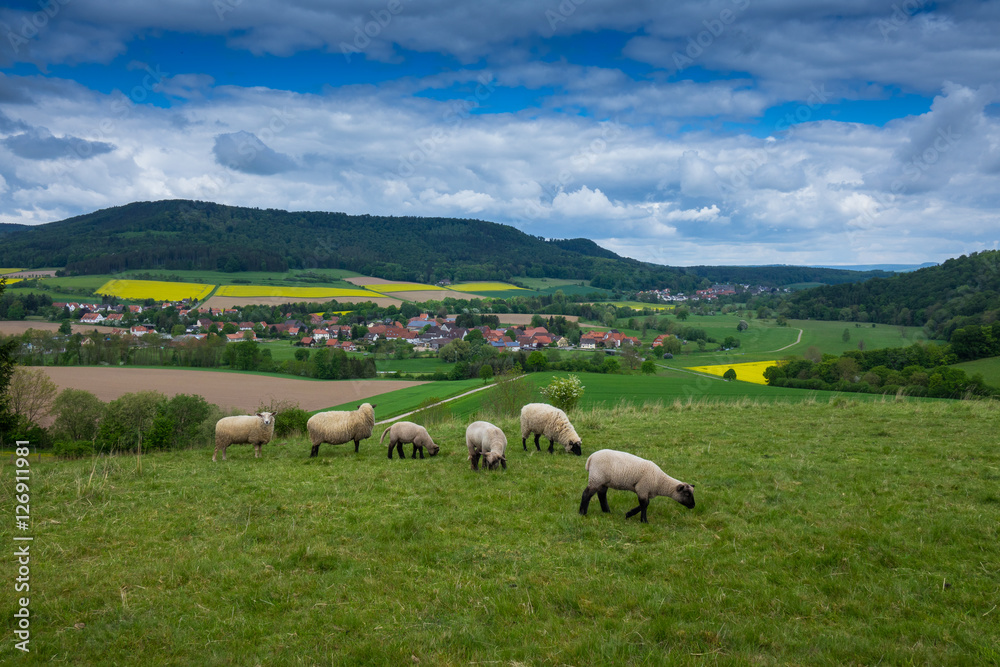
(718,132)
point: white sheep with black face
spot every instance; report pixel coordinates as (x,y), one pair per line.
(254,430)
(487,440)
(610,469)
(339,426)
(408,432)
(550,421)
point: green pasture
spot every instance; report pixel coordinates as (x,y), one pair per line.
(825,533)
(397,402)
(989,368)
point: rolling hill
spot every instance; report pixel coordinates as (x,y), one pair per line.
(184,235)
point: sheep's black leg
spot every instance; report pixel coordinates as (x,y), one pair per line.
(357,443)
(585,500)
(537,447)
(416,449)
(551,447)
(475,461)
(524,443)
(315,452)
(602,495)
(643,504)
(503,463)
(390,450)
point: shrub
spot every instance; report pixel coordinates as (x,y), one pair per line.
(73,449)
(564,392)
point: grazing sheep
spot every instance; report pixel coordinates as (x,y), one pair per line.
(544,419)
(402,432)
(255,430)
(337,427)
(488,440)
(618,470)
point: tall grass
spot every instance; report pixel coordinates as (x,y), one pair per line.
(825,532)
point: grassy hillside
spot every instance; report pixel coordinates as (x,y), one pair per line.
(844,533)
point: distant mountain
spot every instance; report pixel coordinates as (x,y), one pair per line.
(895,268)
(181,234)
(961,291)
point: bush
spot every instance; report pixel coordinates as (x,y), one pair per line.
(564,393)
(292,420)
(73,449)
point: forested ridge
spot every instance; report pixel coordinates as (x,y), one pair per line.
(960,292)
(182,235)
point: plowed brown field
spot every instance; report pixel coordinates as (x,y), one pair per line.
(239,390)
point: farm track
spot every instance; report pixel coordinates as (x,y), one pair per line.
(797,341)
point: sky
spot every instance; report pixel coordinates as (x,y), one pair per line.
(681,133)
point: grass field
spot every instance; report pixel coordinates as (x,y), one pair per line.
(989,368)
(397,402)
(242,291)
(485,287)
(3,271)
(846,533)
(139,290)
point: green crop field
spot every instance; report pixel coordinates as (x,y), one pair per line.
(824,533)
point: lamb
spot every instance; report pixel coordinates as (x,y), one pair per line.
(402,432)
(626,472)
(543,419)
(483,438)
(255,430)
(337,427)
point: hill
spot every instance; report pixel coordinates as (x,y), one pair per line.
(186,235)
(959,292)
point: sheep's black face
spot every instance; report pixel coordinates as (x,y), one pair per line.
(433,450)
(685,495)
(577,448)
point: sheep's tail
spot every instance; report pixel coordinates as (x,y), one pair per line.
(587,465)
(382,439)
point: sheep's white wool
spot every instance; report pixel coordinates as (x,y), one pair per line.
(551,422)
(337,427)
(401,433)
(483,438)
(620,470)
(255,430)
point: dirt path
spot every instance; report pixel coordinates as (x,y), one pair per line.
(239,390)
(797,341)
(447,400)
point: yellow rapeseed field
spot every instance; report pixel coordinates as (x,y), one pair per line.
(293,292)
(139,290)
(11,281)
(752,371)
(484,287)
